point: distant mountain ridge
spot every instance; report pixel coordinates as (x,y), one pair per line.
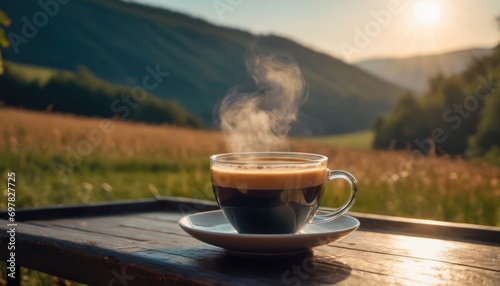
(414,73)
(116,40)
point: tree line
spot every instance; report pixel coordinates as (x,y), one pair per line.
(83,93)
(458,115)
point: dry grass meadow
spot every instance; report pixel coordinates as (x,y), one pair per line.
(57,163)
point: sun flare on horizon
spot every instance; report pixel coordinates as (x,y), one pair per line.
(426,12)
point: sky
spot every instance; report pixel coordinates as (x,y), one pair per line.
(357,29)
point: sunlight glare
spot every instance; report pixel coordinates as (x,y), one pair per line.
(426,12)
(423,263)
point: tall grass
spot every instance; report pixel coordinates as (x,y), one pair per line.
(144,161)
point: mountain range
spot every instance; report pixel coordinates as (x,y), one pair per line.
(119,41)
(414,73)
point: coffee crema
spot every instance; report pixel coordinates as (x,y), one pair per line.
(266,178)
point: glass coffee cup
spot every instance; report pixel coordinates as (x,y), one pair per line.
(274,192)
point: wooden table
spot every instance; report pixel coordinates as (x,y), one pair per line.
(140,243)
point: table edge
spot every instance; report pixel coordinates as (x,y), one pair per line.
(369,222)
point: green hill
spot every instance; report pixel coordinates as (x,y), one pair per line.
(84,94)
(116,40)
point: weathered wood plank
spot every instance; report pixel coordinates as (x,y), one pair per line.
(172,204)
(129,226)
(144,228)
(429,228)
(474,255)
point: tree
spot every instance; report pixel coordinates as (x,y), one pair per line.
(402,127)
(4,43)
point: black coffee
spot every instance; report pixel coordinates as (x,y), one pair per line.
(268,200)
(268,211)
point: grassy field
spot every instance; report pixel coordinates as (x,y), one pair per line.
(56,163)
(359,140)
(62,159)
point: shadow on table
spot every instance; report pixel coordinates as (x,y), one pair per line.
(302,268)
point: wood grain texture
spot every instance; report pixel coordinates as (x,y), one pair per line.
(142,244)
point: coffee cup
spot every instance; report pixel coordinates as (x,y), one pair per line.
(274,192)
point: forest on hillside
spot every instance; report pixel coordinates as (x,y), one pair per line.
(83,93)
(458,115)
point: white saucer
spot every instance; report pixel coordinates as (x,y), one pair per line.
(213,228)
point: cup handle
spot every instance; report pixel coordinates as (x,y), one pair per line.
(329,216)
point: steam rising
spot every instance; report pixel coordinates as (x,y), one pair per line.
(260,120)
